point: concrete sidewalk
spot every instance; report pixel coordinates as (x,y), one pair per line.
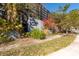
(72,50)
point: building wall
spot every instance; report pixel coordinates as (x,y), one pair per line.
(39,10)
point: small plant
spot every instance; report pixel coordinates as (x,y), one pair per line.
(37,34)
(2,21)
(28,34)
(3,38)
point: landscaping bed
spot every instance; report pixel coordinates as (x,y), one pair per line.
(40,49)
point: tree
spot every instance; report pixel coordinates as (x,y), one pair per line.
(60,16)
(11,11)
(60,13)
(65,8)
(71,20)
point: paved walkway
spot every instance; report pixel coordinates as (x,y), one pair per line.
(53,37)
(72,50)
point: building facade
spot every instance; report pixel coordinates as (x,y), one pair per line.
(38,9)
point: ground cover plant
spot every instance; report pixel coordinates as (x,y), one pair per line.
(41,49)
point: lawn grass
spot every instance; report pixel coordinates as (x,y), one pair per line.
(40,49)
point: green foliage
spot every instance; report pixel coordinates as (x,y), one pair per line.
(65,8)
(3,38)
(6,27)
(67,20)
(40,49)
(28,34)
(60,14)
(70,20)
(2,21)
(37,34)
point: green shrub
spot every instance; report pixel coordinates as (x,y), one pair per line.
(37,34)
(27,34)
(2,21)
(3,38)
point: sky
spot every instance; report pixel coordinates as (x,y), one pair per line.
(54,6)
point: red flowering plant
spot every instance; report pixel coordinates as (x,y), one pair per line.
(47,23)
